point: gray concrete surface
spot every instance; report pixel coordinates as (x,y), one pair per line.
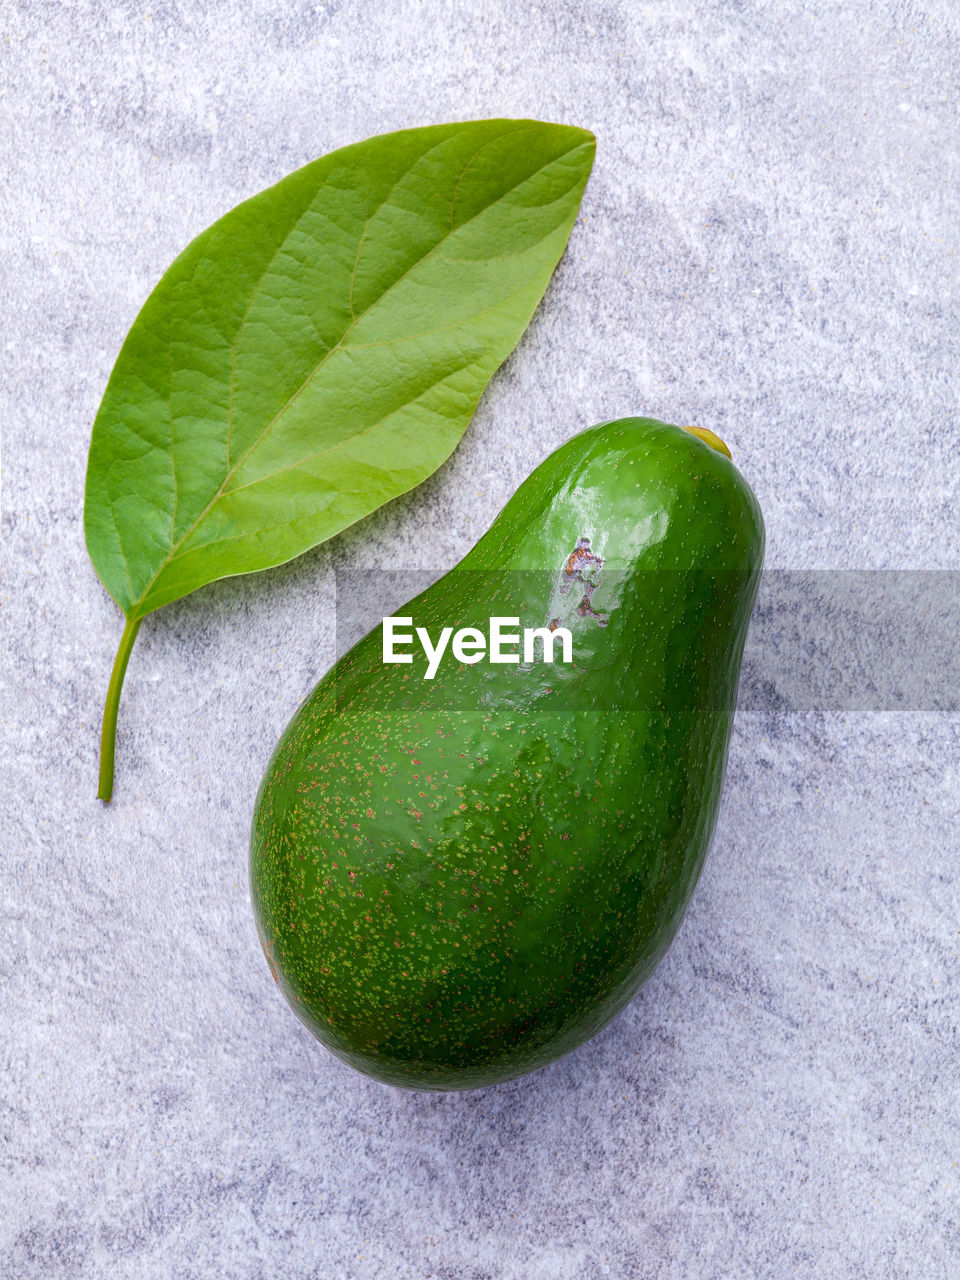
(768,247)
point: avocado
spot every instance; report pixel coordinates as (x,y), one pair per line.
(457,879)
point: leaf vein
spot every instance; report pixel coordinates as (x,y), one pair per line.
(340,444)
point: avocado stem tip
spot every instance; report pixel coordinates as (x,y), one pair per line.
(711,438)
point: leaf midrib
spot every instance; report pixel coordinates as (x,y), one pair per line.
(176,547)
(333,448)
(340,444)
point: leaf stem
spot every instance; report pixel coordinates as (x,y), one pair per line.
(108,735)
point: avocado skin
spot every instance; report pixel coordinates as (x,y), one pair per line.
(457,881)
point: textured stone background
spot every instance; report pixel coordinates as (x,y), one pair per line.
(768,247)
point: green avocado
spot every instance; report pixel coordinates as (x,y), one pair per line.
(457,879)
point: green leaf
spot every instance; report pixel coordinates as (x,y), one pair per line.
(318,351)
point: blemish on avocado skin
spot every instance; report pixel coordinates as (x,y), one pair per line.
(581,574)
